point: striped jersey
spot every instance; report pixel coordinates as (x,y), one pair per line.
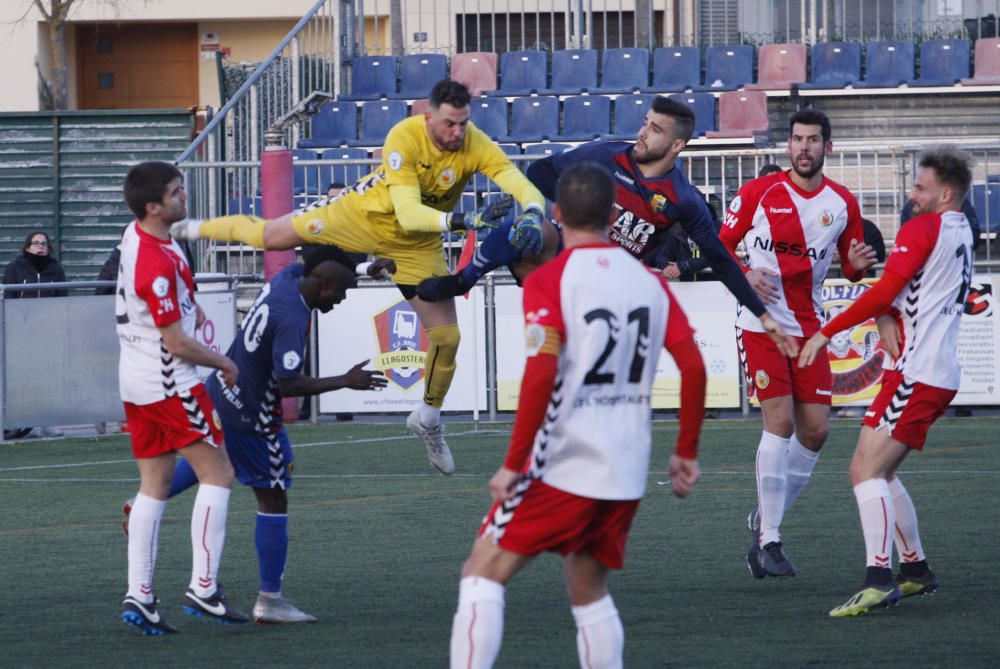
(612,315)
(155,289)
(794,234)
(934,253)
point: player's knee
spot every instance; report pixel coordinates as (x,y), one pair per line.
(445,337)
(813,436)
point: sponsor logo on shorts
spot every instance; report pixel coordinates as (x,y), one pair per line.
(395,160)
(161,286)
(314,226)
(762,379)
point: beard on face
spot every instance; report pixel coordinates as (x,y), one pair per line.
(817,165)
(647,155)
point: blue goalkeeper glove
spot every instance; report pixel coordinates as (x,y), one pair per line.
(526,233)
(489,217)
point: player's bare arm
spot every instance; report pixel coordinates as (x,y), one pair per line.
(762,281)
(503,483)
(356,378)
(684,473)
(889,335)
(861,255)
(188,349)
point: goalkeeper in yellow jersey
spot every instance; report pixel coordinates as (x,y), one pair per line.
(399,211)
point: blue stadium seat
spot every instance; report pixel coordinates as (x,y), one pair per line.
(675,68)
(346,174)
(986,201)
(574,71)
(943,62)
(585,117)
(630,111)
(547,149)
(377,117)
(313,179)
(372,77)
(703,106)
(240,205)
(490,116)
(887,64)
(624,71)
(522,73)
(834,65)
(335,124)
(727,67)
(534,119)
(418,74)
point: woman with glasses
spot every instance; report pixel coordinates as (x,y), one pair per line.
(34,264)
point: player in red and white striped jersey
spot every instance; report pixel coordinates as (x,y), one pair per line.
(579,453)
(166,405)
(791,223)
(919,300)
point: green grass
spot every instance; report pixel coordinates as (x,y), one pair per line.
(377,540)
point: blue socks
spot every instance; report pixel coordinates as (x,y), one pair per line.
(495,251)
(271,538)
(184,478)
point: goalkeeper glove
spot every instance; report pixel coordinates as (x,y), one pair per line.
(526,233)
(488,217)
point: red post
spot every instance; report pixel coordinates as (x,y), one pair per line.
(277,196)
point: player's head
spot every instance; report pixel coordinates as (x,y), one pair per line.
(768,168)
(944,175)
(334,188)
(37,243)
(156,188)
(585,195)
(808,142)
(448,114)
(665,131)
(328,275)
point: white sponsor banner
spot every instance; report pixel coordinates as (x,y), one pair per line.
(377,324)
(219,328)
(978,338)
(710,308)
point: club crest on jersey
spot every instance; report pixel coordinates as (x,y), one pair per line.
(826,218)
(856,358)
(447,178)
(314,226)
(762,379)
(291,360)
(402,344)
(658,203)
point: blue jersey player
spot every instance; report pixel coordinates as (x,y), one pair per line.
(268,351)
(651,196)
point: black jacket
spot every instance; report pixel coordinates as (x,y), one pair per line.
(38,269)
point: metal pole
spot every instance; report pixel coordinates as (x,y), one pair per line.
(491,348)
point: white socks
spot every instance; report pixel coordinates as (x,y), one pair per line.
(208,535)
(477,629)
(429,416)
(143,532)
(772,474)
(801,462)
(907,533)
(600,637)
(877,521)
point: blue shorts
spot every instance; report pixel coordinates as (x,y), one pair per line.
(260,461)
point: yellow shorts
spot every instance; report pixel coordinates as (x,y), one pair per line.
(418,256)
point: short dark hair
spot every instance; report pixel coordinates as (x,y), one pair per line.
(812,117)
(27,240)
(586,193)
(314,255)
(952,166)
(768,168)
(450,92)
(147,182)
(682,114)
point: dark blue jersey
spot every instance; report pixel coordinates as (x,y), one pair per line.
(269,346)
(648,207)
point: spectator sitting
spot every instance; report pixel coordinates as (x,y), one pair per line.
(35,265)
